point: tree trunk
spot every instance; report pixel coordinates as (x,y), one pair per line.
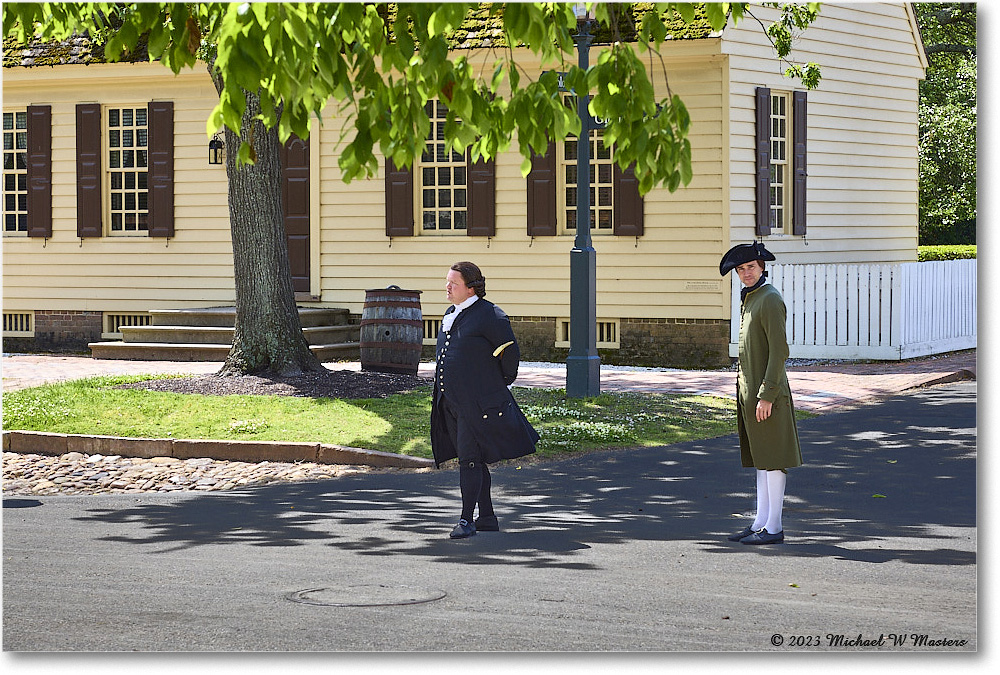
(268,339)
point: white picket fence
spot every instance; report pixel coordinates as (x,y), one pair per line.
(883,312)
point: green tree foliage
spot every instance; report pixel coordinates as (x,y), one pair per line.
(380,67)
(948,123)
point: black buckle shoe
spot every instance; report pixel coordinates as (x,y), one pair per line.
(463,529)
(764,537)
(745,532)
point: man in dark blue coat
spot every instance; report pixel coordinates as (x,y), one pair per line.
(474,416)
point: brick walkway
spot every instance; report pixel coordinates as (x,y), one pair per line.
(815,387)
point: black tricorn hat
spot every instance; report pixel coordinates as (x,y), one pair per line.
(743,253)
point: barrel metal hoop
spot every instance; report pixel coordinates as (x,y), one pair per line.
(395,322)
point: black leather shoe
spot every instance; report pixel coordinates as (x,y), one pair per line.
(463,529)
(764,537)
(487,524)
(745,532)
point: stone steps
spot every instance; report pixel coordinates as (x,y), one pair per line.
(206,334)
(315,335)
(226,316)
(162,351)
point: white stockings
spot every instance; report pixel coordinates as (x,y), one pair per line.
(770,497)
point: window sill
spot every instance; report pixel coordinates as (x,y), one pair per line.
(600,345)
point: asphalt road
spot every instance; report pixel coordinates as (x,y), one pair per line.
(621,551)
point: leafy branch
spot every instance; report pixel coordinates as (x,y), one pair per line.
(380,68)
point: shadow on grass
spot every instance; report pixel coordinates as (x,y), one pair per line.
(890,482)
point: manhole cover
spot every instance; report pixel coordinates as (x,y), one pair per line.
(366,595)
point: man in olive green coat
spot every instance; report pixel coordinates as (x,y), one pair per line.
(769,440)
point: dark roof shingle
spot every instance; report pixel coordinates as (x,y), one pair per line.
(481,29)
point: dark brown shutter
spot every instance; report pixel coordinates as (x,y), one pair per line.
(296,209)
(39,156)
(763,162)
(89,212)
(482,204)
(627,215)
(542,194)
(799,124)
(398,200)
(161,169)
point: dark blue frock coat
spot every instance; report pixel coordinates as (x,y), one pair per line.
(491,426)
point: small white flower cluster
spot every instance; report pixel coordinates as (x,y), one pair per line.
(577,433)
(541,413)
(248,426)
(22,412)
(575,427)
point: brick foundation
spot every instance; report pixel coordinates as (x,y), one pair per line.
(59,331)
(662,343)
(665,343)
(672,343)
(536,336)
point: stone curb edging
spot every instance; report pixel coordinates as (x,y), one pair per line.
(45,443)
(957,376)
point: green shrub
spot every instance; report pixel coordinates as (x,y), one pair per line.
(946,252)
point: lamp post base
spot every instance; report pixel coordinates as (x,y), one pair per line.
(583,376)
(583,365)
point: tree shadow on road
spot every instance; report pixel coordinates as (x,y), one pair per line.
(891,482)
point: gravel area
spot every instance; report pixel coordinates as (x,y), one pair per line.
(77,473)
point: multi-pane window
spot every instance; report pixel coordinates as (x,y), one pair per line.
(128,137)
(601,182)
(443,180)
(602,187)
(15,172)
(780,168)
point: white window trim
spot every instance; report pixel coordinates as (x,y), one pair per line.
(596,136)
(106,162)
(785,226)
(114,320)
(604,326)
(432,325)
(562,185)
(418,187)
(15,172)
(29,319)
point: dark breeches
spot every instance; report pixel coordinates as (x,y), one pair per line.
(474,481)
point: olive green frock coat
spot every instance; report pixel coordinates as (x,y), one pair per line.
(774,443)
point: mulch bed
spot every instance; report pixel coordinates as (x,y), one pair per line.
(334,384)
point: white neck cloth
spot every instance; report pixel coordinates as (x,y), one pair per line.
(449,319)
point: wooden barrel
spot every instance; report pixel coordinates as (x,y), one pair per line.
(392,331)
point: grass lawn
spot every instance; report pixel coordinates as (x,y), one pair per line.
(398,424)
